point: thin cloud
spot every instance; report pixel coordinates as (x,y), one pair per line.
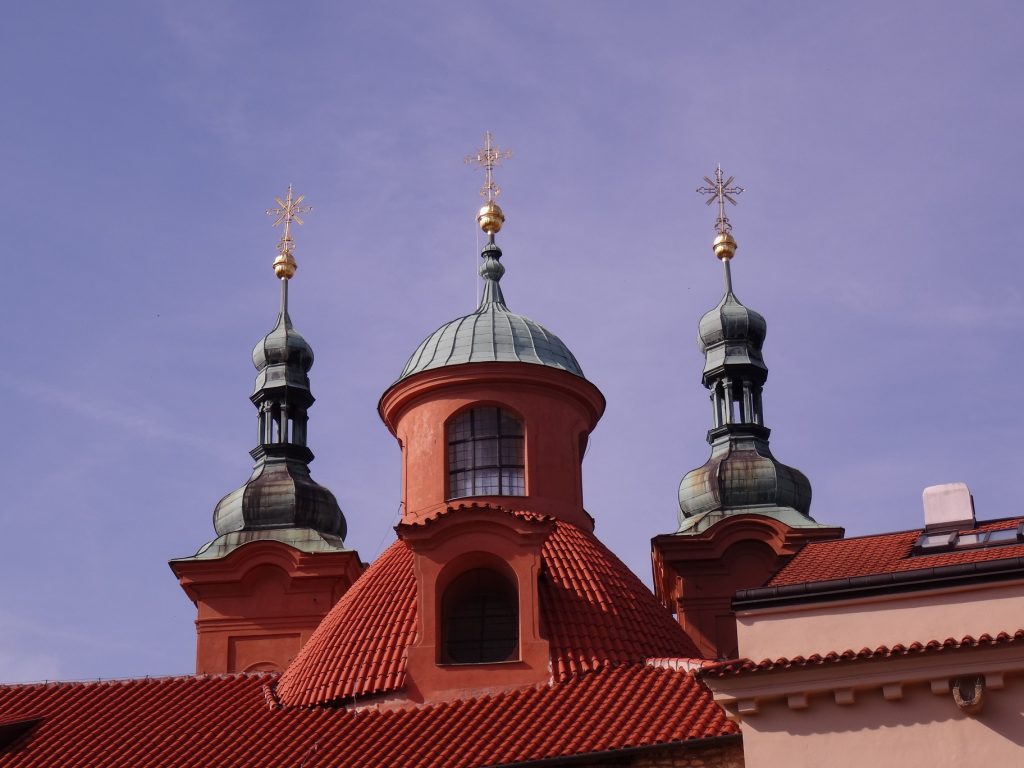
(122,417)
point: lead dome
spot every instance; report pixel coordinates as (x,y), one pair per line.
(493,333)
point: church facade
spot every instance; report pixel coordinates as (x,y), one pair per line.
(497,629)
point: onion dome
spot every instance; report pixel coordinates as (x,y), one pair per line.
(491,334)
(731,334)
(283,346)
(280,493)
(742,475)
(280,500)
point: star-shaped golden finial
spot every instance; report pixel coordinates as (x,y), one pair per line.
(286,212)
(721,190)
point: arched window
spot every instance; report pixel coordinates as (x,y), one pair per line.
(485,454)
(480,618)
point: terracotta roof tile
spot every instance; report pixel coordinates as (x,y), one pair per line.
(522,514)
(225,721)
(745,666)
(595,612)
(885,553)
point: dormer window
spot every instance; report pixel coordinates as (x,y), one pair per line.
(485,454)
(480,619)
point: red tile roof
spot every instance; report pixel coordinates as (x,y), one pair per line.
(359,647)
(885,553)
(596,612)
(744,666)
(225,721)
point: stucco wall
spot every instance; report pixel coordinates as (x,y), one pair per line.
(803,630)
(921,729)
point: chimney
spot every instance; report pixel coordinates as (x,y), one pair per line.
(949,506)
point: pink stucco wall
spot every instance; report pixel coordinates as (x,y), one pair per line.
(921,729)
(905,618)
(885,710)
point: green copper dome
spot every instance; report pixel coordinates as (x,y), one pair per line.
(280,494)
(732,335)
(491,334)
(741,476)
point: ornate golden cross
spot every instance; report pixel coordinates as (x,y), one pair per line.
(721,191)
(287,211)
(489,158)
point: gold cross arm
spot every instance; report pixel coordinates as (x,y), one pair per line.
(721,190)
(287,211)
(489,158)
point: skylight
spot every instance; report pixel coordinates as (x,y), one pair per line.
(931,542)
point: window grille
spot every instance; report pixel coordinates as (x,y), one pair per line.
(480,619)
(485,454)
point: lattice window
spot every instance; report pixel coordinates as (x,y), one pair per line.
(485,454)
(480,618)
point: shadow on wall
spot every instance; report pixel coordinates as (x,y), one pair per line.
(932,725)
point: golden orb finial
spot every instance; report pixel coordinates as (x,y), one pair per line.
(285,266)
(724,246)
(490,217)
(721,190)
(286,212)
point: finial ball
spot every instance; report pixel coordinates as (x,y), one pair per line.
(724,246)
(285,266)
(490,218)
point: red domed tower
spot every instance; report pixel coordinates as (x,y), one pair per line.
(496,580)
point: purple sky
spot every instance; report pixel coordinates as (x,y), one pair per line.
(880,145)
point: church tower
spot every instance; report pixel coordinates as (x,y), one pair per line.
(496,581)
(279,561)
(743,513)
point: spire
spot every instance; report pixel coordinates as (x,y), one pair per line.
(281,493)
(490,217)
(741,476)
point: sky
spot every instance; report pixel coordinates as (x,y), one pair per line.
(140,144)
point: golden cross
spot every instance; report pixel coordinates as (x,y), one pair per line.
(489,158)
(720,191)
(287,211)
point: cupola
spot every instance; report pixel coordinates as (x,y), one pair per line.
(497,581)
(742,475)
(281,495)
(279,561)
(492,406)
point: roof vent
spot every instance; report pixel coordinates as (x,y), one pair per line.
(948,506)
